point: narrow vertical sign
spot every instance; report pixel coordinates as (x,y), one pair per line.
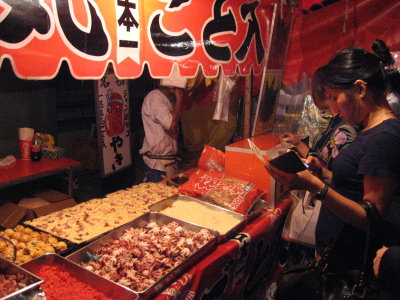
(113,123)
(128,30)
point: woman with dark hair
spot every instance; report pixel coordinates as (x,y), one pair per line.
(393,75)
(383,53)
(336,136)
(368,169)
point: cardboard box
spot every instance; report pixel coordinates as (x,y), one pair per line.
(46,207)
(29,204)
(11,214)
(45,210)
(44,202)
(242,163)
(51,195)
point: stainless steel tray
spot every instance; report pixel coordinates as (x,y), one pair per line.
(141,222)
(161,205)
(8,267)
(103,285)
(72,246)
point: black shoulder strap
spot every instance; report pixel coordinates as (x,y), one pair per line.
(374,221)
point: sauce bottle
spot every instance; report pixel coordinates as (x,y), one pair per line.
(36,153)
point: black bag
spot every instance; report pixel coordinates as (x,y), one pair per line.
(320,281)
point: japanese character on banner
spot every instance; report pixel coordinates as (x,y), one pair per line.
(128,30)
(117,143)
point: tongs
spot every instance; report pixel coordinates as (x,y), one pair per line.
(169,181)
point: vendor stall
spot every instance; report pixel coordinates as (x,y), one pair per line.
(227,38)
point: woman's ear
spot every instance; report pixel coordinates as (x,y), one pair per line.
(360,87)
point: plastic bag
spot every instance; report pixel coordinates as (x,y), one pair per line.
(225,87)
(310,123)
(216,188)
(212,160)
(302,219)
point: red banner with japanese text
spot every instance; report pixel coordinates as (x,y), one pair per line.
(232,35)
(317,36)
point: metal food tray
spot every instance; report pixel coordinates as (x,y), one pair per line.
(161,205)
(70,243)
(101,284)
(71,247)
(7,267)
(141,222)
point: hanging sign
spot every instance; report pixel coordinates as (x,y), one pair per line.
(232,35)
(113,123)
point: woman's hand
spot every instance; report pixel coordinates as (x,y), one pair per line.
(317,167)
(296,142)
(291,138)
(303,180)
(377,260)
(314,165)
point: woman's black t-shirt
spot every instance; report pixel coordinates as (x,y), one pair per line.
(374,152)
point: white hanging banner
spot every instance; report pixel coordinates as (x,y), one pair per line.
(113,123)
(128,31)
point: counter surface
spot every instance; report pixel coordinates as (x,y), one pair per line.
(26,170)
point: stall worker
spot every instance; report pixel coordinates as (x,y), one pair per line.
(161,111)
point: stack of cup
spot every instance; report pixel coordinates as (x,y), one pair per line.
(25,142)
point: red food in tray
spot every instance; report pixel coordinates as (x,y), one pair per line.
(60,284)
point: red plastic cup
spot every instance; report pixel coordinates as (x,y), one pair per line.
(25,148)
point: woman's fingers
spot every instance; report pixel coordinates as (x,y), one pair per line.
(297,181)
